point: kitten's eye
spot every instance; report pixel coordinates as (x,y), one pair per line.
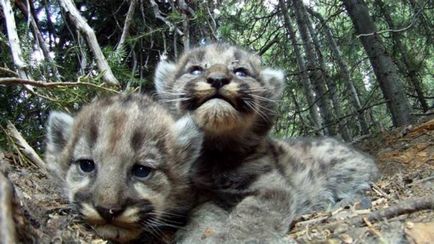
(195,70)
(141,171)
(241,72)
(86,165)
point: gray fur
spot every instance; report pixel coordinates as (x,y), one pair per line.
(259,182)
(118,135)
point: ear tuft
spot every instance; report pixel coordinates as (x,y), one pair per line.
(275,78)
(163,75)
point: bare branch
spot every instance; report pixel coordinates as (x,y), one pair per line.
(23,82)
(158,15)
(128,20)
(14,41)
(81,24)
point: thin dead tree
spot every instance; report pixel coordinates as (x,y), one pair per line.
(404,62)
(14,41)
(304,78)
(331,84)
(384,68)
(343,70)
(317,76)
(82,26)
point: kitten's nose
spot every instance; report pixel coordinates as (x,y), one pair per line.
(217,79)
(109,213)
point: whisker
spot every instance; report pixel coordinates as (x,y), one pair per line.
(264,98)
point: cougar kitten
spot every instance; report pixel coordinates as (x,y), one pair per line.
(125,165)
(261,181)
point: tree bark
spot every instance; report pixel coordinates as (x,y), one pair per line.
(185,24)
(81,25)
(332,94)
(128,20)
(304,78)
(344,72)
(316,75)
(14,41)
(385,70)
(404,63)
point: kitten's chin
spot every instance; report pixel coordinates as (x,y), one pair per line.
(217,116)
(117,234)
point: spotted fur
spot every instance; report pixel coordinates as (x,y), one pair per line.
(125,165)
(259,182)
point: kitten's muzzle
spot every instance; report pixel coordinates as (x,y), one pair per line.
(218,79)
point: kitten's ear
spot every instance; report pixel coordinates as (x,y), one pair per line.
(164,74)
(188,140)
(276,80)
(59,130)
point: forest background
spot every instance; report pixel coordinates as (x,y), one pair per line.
(353,67)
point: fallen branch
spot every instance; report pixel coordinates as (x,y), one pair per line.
(405,207)
(25,147)
(81,24)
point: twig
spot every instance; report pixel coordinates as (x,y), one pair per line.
(373,230)
(25,147)
(422,180)
(312,221)
(10,72)
(18,81)
(158,15)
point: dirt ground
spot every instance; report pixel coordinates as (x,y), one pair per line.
(399,209)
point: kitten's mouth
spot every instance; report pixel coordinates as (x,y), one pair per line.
(219,97)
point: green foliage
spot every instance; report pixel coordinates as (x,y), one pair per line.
(256,25)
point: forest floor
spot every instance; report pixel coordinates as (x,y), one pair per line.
(399,209)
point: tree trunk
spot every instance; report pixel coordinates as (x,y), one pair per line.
(404,63)
(385,70)
(185,24)
(304,78)
(14,41)
(81,25)
(316,75)
(344,73)
(126,29)
(332,94)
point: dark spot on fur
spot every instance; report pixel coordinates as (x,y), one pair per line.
(137,139)
(199,55)
(127,100)
(237,55)
(107,101)
(93,130)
